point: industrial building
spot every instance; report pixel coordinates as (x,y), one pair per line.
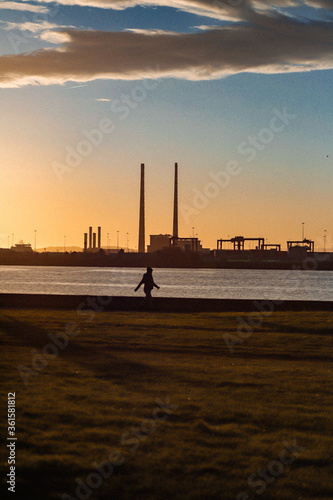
(92,245)
(173,242)
(237,244)
(299,249)
(159,242)
(22,247)
(164,241)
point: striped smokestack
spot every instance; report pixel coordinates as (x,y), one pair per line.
(141,247)
(175,205)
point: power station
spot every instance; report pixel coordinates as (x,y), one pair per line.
(173,242)
(93,247)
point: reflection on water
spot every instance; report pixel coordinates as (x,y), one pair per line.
(200,283)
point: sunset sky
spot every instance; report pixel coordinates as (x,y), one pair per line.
(238,92)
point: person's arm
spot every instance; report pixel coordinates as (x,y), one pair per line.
(137,288)
(156,286)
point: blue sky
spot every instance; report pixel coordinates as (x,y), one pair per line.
(187,110)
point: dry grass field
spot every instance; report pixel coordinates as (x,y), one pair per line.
(165,403)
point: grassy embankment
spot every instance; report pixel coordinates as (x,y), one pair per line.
(235,411)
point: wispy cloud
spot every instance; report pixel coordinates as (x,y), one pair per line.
(33,27)
(78,86)
(23,7)
(218,9)
(269,42)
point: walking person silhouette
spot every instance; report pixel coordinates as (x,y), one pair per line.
(149,284)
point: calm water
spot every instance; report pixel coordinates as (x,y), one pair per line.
(207,283)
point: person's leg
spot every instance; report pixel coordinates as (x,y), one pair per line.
(148,299)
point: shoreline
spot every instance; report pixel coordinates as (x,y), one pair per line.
(158,304)
(249,259)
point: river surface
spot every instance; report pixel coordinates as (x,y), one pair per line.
(196,283)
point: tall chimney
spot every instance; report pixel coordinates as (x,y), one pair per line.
(85,241)
(94,241)
(141,247)
(175,205)
(90,237)
(99,238)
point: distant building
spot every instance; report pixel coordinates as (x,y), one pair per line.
(298,246)
(190,245)
(166,241)
(159,242)
(22,247)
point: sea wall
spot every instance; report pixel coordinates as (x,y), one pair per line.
(158,304)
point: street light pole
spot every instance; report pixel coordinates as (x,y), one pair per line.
(127,242)
(303,231)
(117,240)
(324,240)
(35,240)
